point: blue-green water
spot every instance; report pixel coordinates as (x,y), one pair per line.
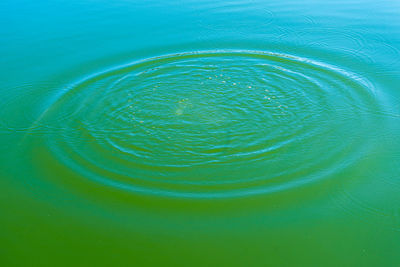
(200,133)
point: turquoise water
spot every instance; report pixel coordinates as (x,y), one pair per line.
(200,133)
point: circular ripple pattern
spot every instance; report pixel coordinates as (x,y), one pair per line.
(211,124)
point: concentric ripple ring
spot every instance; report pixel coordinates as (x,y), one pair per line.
(211,124)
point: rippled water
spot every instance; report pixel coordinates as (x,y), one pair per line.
(202,133)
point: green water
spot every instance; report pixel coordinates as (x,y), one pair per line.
(199,133)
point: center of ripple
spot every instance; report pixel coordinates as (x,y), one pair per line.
(207,123)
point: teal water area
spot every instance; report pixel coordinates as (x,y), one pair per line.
(199,133)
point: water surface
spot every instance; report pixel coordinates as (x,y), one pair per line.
(200,133)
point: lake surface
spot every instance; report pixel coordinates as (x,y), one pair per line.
(200,133)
